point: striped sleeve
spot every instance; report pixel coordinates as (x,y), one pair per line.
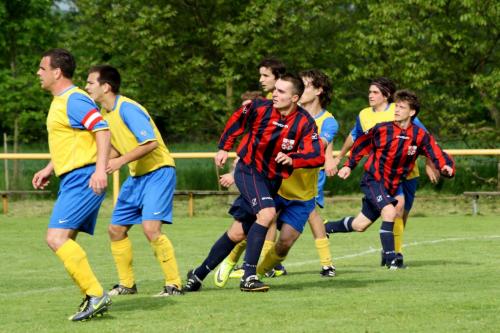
(439,158)
(361,147)
(235,126)
(311,152)
(83,113)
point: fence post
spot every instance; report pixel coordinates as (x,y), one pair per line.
(6,164)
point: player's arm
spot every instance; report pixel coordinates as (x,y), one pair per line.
(310,152)
(133,155)
(430,170)
(355,133)
(41,178)
(441,160)
(329,130)
(99,179)
(114,153)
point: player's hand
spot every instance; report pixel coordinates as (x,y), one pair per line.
(344,172)
(41,179)
(284,159)
(98,182)
(226,180)
(447,171)
(432,173)
(113,165)
(220,158)
(246,102)
(331,165)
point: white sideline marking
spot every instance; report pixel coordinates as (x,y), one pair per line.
(290,264)
(372,250)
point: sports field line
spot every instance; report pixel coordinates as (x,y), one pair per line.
(289,264)
(377,250)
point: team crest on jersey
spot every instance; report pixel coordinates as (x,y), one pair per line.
(315,136)
(254,202)
(287,144)
(412,150)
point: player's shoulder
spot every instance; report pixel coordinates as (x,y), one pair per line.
(303,113)
(261,102)
(384,124)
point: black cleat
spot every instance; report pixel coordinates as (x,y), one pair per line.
(193,283)
(253,284)
(170,290)
(398,262)
(119,289)
(328,271)
(92,307)
(382,258)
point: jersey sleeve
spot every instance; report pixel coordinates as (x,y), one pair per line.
(329,129)
(311,152)
(357,130)
(361,147)
(433,151)
(138,122)
(418,123)
(83,113)
(235,126)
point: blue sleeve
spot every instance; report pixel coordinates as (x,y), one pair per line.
(83,113)
(138,122)
(418,123)
(357,131)
(329,129)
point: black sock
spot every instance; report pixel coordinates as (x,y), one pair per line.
(255,240)
(220,250)
(387,240)
(343,225)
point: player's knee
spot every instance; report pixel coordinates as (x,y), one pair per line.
(266,216)
(282,248)
(236,235)
(360,226)
(116,233)
(54,242)
(152,234)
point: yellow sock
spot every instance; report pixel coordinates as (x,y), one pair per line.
(268,245)
(122,254)
(164,252)
(269,261)
(75,261)
(323,247)
(236,253)
(399,227)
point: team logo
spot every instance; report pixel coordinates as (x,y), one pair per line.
(144,133)
(275,123)
(254,202)
(315,136)
(412,150)
(287,144)
(379,198)
(266,198)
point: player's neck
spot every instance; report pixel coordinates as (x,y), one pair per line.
(287,110)
(108,101)
(381,107)
(60,86)
(314,107)
(404,124)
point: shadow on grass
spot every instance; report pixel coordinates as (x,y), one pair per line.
(133,303)
(422,263)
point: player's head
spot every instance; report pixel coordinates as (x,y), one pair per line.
(407,105)
(288,90)
(56,64)
(102,80)
(381,91)
(316,85)
(270,69)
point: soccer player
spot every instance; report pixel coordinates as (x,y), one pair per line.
(79,144)
(392,149)
(146,197)
(280,137)
(270,69)
(303,190)
(381,109)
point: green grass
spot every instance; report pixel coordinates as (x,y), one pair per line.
(452,284)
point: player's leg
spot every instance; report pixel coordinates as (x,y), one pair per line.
(322,244)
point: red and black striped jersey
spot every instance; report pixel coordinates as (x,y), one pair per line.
(268,133)
(392,152)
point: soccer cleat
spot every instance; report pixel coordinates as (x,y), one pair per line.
(277,271)
(253,284)
(170,290)
(92,307)
(398,261)
(223,272)
(328,271)
(237,273)
(119,289)
(193,283)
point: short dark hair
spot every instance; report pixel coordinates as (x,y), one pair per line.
(320,80)
(277,66)
(296,81)
(62,59)
(386,86)
(410,97)
(108,74)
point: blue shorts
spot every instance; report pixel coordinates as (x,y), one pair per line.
(409,189)
(257,191)
(148,197)
(295,213)
(320,198)
(376,197)
(77,205)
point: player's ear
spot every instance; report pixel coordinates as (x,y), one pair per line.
(295,98)
(412,113)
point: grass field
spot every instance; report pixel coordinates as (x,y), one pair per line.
(452,283)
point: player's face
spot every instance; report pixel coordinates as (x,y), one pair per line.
(375,97)
(283,95)
(94,88)
(267,79)
(46,73)
(402,111)
(310,92)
